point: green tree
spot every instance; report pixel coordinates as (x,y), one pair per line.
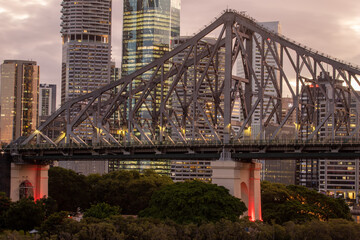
(16,235)
(99,231)
(24,214)
(48,204)
(53,224)
(341,229)
(69,189)
(299,204)
(68,229)
(194,202)
(130,190)
(102,211)
(4,203)
(4,206)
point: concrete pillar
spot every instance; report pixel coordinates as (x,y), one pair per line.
(37,175)
(243,181)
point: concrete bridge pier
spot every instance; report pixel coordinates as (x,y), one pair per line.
(28,180)
(243,181)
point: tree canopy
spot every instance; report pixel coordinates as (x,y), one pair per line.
(299,204)
(129,190)
(4,206)
(69,189)
(194,202)
(24,214)
(102,211)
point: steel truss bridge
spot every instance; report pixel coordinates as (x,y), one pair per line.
(189,102)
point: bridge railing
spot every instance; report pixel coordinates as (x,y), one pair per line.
(279,142)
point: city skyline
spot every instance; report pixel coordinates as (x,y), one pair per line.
(31,30)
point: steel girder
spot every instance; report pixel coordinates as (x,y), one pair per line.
(190,94)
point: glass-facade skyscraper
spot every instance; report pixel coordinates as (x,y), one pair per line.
(19,96)
(149,27)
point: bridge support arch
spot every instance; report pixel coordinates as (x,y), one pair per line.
(28,180)
(243,181)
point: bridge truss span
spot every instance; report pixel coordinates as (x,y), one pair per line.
(191,95)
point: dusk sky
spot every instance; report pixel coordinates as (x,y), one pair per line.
(30,29)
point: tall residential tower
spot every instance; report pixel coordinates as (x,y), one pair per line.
(86,54)
(86,60)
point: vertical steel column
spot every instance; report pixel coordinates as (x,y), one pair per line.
(357,180)
(333,104)
(248,86)
(68,125)
(261,91)
(130,117)
(296,103)
(228,78)
(162,106)
(194,93)
(281,61)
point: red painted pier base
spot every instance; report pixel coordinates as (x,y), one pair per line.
(243,181)
(29,179)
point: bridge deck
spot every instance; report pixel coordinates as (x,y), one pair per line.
(244,150)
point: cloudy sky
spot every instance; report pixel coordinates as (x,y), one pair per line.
(30,29)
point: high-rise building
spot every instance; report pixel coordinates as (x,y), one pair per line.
(47,101)
(149,27)
(86,61)
(86,51)
(18,99)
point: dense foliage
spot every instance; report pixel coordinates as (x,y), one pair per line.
(119,228)
(101,211)
(130,190)
(299,204)
(69,189)
(24,214)
(188,210)
(194,202)
(4,206)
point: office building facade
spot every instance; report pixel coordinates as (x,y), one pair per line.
(18,99)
